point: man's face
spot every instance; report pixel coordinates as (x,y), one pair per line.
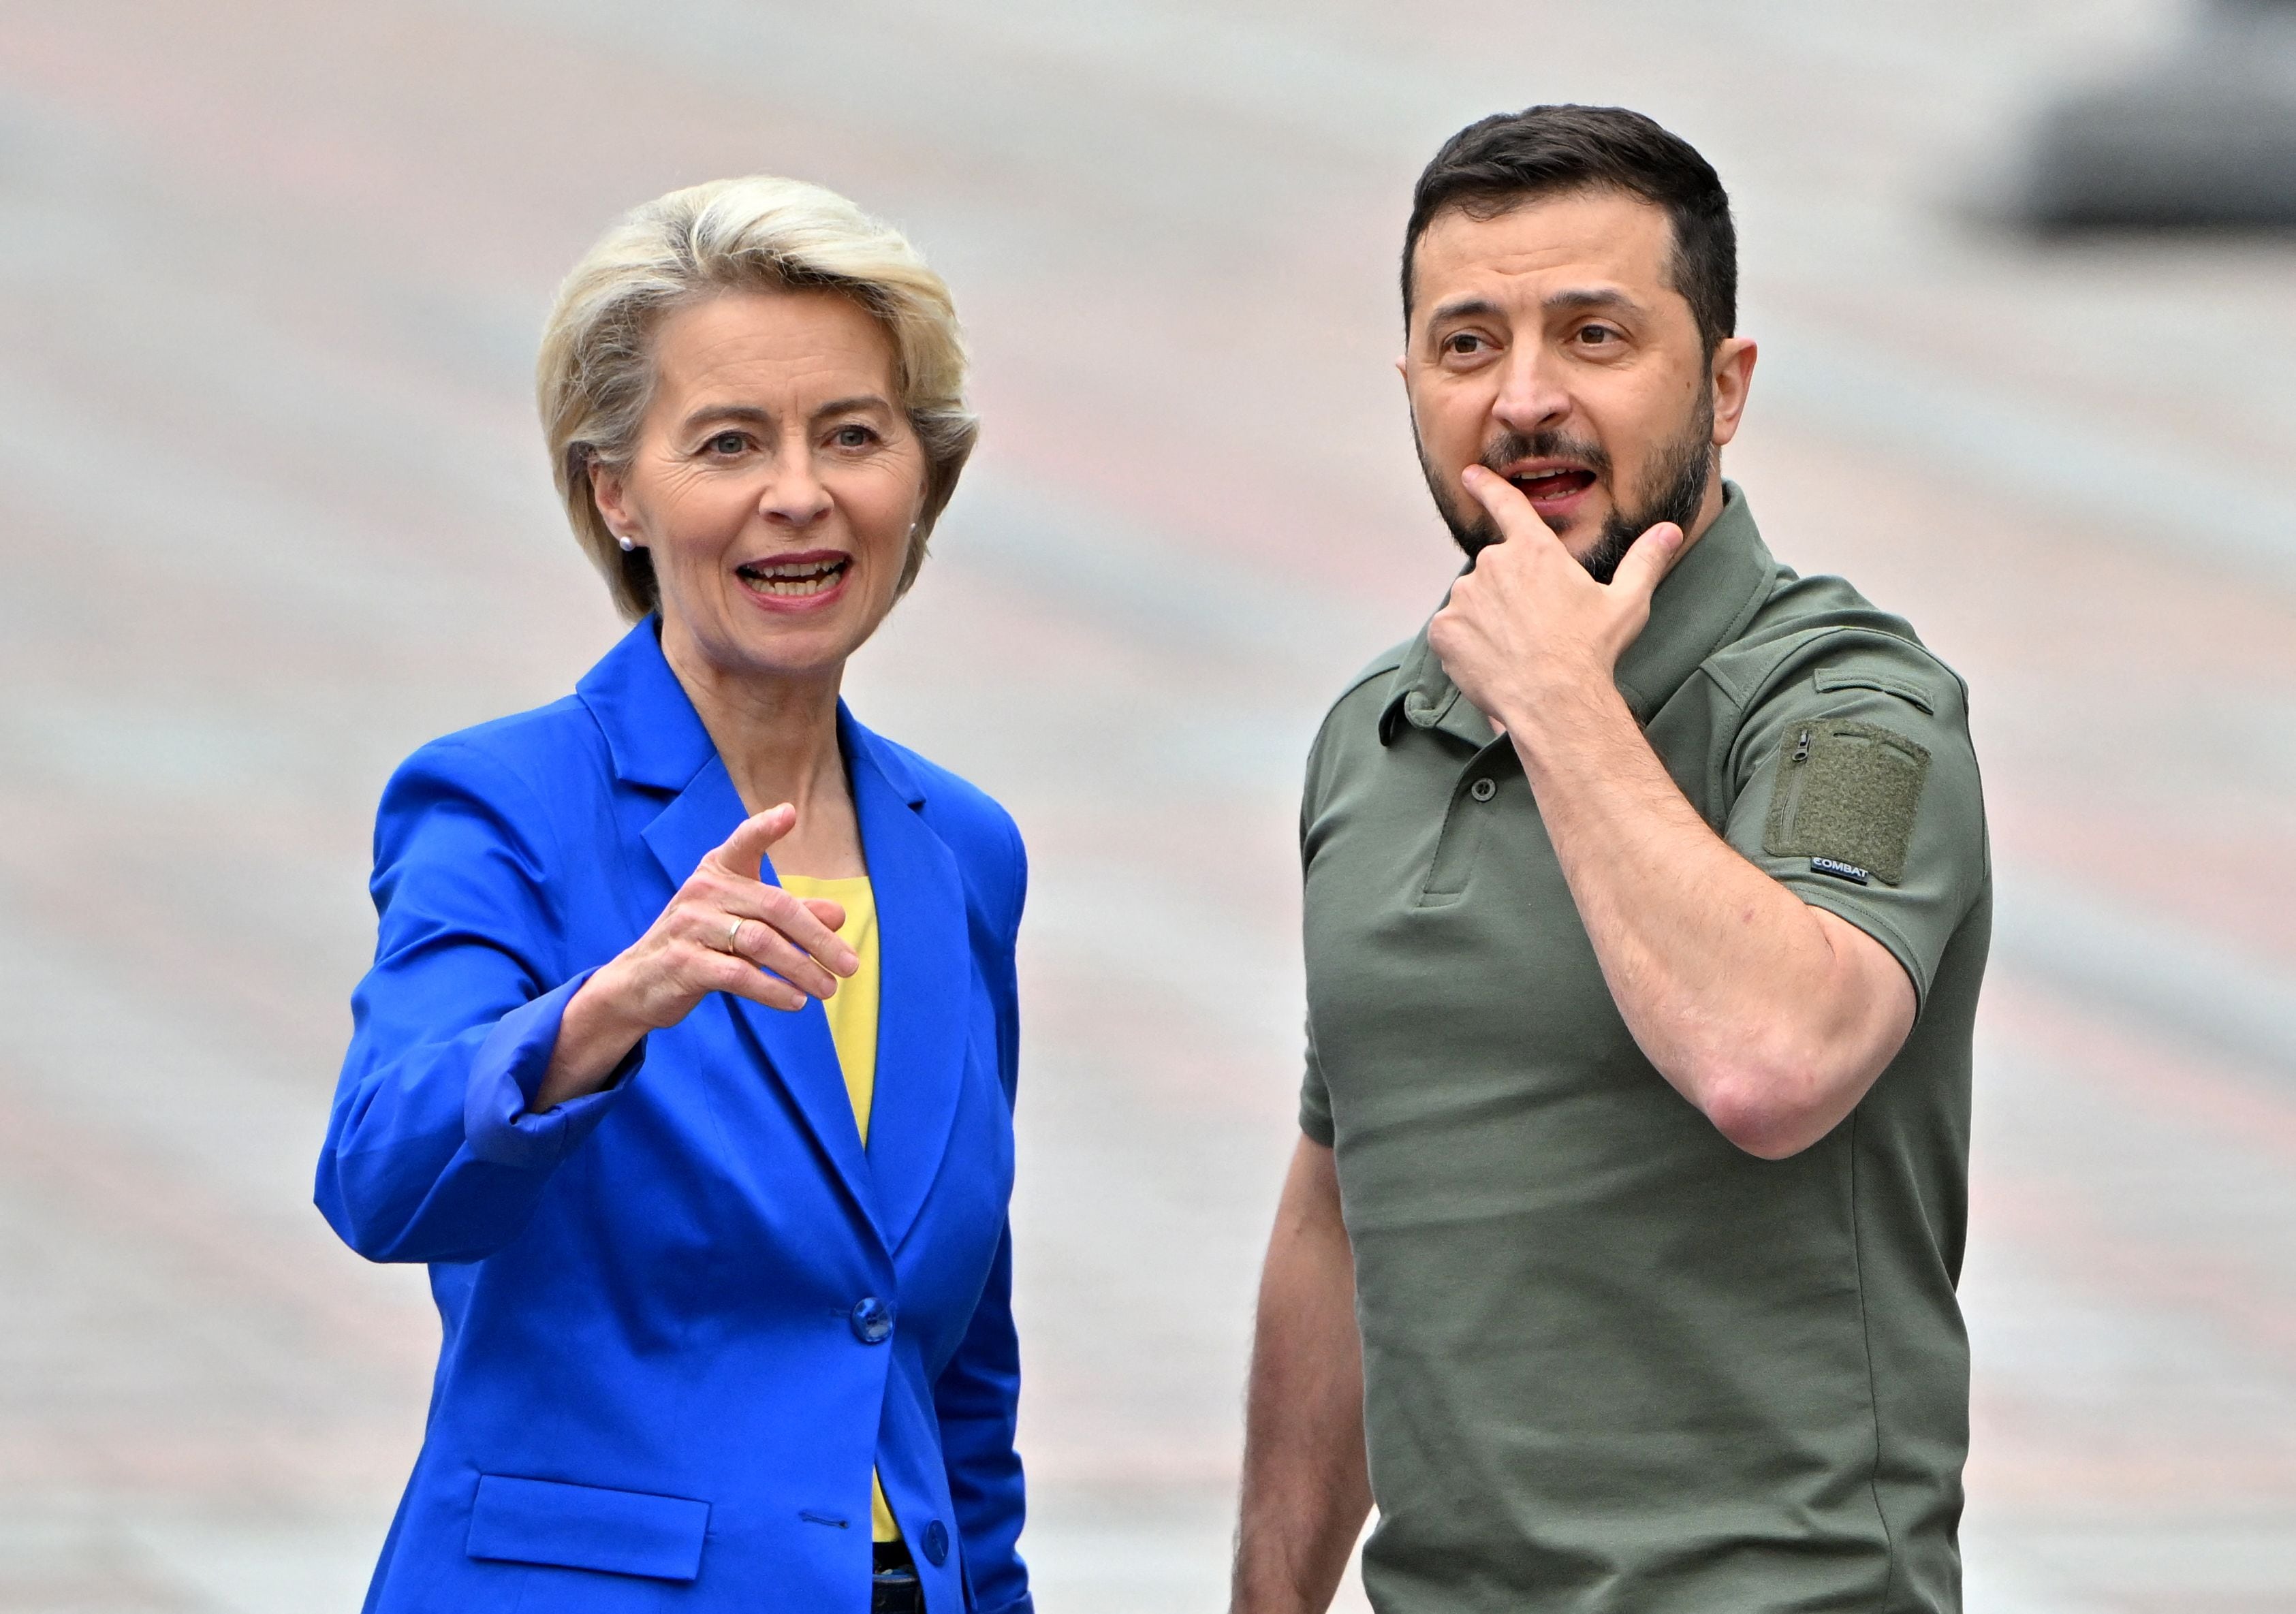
(1550,345)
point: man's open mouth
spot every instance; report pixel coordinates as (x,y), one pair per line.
(1554,482)
(793,580)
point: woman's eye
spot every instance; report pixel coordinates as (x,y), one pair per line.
(853,436)
(728,442)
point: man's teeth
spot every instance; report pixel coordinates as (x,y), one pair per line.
(1544,481)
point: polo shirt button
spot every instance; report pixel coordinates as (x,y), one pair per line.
(1483,790)
(872,1321)
(936,1543)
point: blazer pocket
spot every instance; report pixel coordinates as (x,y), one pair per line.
(584,1527)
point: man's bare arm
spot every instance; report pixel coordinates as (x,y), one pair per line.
(1305,1488)
(1772,1016)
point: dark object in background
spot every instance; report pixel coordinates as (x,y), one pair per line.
(2203,137)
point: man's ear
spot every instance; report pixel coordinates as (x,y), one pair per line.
(1730,376)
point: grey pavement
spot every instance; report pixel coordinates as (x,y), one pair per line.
(270,275)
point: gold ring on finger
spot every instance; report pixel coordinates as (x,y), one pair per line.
(734,936)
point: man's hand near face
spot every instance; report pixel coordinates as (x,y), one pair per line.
(1530,627)
(1772,1016)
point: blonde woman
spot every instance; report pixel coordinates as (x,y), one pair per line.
(687,1057)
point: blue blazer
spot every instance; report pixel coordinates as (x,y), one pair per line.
(683,1317)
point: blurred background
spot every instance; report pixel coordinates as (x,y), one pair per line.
(273,511)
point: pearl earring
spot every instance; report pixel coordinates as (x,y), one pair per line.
(629,543)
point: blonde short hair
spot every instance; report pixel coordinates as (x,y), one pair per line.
(594,379)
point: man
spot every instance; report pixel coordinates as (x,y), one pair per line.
(1647,899)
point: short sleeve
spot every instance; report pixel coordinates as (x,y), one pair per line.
(1315,1094)
(1858,790)
(1315,1098)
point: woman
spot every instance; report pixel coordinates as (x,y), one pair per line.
(687,1056)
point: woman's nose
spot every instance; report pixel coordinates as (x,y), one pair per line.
(794,497)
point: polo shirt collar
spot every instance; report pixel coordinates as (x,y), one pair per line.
(1705,602)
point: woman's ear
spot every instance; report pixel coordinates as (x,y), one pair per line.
(606,492)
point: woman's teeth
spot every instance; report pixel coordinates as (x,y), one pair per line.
(801,578)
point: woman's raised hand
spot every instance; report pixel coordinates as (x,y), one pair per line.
(726,930)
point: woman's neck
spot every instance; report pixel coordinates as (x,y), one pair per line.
(777,737)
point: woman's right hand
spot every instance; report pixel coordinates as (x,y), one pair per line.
(723,932)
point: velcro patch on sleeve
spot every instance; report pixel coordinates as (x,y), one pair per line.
(1846,792)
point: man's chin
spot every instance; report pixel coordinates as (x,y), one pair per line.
(1591,535)
(1576,517)
(1579,528)
(1585,533)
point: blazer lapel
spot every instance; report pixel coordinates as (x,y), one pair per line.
(796,1047)
(923,1017)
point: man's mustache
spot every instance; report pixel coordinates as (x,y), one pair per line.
(1504,451)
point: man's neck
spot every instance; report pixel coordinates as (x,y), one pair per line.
(1709,508)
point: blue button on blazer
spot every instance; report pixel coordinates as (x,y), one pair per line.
(683,1317)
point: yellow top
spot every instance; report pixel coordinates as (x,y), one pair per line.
(853,1028)
(853,1011)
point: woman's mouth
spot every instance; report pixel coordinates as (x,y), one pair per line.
(798,577)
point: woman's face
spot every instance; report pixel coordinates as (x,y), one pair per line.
(776,483)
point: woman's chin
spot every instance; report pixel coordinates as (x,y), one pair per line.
(800,649)
(755,637)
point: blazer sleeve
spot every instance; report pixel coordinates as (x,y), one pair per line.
(978,1394)
(432,1154)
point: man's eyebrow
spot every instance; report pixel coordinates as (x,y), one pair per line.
(1575,299)
(1581,299)
(1464,308)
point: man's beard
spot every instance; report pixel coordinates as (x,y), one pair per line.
(1673,490)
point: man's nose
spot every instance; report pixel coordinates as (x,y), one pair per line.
(1530,398)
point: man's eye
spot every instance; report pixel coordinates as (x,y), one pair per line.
(1463,342)
(1596,335)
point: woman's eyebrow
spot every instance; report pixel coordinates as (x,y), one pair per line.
(849,405)
(749,413)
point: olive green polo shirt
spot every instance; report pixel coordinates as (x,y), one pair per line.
(1612,1363)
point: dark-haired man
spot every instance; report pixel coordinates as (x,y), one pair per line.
(1646,903)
